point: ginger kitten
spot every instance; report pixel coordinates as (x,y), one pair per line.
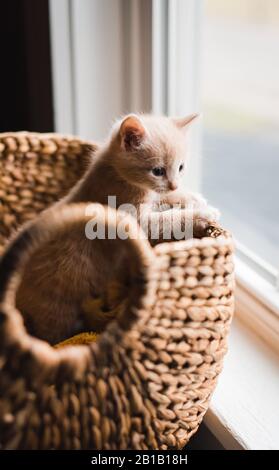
(140,164)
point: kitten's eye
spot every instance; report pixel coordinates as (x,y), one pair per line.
(181,167)
(158,171)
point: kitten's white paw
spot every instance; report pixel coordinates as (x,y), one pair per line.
(208,213)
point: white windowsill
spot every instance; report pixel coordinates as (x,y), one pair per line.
(244,411)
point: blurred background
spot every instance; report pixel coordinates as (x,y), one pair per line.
(72,66)
(240,101)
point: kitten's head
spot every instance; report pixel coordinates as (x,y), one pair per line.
(150,151)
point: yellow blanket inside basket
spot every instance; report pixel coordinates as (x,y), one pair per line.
(81,338)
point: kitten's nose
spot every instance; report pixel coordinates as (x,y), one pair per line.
(172,185)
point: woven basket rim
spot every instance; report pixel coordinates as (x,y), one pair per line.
(45,135)
(182,245)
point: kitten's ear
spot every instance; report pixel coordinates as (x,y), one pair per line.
(184,123)
(132,133)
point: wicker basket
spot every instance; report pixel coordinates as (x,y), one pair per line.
(147,381)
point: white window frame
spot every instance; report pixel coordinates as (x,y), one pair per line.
(175,91)
(95,81)
(62,66)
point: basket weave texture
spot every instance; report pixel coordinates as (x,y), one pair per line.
(146,383)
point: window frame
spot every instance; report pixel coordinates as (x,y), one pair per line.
(176,34)
(62,69)
(83,67)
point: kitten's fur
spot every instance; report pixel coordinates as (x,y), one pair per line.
(71,268)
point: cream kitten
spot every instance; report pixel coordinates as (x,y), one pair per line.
(141,164)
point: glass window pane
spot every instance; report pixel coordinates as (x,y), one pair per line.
(241,119)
